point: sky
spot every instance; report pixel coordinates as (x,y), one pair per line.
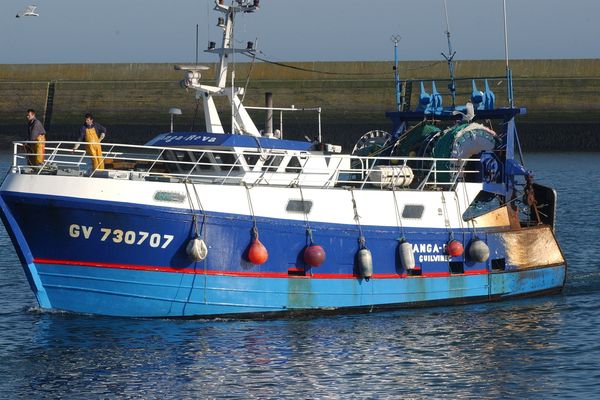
(132,31)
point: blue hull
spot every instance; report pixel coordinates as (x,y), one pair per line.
(73,265)
(130,293)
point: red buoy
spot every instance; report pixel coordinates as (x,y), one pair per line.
(257,253)
(454,248)
(314,255)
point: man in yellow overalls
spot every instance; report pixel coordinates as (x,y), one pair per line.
(36,133)
(89,134)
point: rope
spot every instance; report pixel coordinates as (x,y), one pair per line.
(306,222)
(468,203)
(361,238)
(398,216)
(197,232)
(204,216)
(460,217)
(251,208)
(446,218)
(194,217)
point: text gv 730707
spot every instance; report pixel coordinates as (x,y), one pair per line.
(118,236)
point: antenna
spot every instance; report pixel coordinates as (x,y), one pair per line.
(508,71)
(450,58)
(399,100)
(196,44)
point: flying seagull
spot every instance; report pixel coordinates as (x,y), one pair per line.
(28,12)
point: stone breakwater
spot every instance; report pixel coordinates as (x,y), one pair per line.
(562,97)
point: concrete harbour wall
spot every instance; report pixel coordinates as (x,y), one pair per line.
(562,96)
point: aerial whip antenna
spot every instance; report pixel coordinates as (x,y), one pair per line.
(508,70)
(399,100)
(196,44)
(450,58)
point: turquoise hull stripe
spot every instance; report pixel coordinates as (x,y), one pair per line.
(158,294)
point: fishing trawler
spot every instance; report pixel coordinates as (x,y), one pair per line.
(214,223)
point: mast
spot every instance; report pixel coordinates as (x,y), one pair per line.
(508,71)
(227,47)
(399,99)
(450,58)
(240,120)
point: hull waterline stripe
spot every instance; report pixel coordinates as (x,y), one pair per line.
(151,268)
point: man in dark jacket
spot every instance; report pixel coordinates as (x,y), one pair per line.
(36,133)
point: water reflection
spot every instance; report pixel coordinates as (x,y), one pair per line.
(451,351)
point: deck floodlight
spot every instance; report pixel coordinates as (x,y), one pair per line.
(174,111)
(211,45)
(221,22)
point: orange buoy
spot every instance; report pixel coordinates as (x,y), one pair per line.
(314,255)
(454,248)
(257,253)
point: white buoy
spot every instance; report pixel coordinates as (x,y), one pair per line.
(196,249)
(479,251)
(365,263)
(406,255)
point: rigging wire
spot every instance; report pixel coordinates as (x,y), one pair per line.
(251,208)
(249,73)
(197,232)
(305,214)
(446,216)
(361,237)
(471,222)
(398,216)
(316,71)
(461,221)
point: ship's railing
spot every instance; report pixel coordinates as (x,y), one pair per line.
(248,166)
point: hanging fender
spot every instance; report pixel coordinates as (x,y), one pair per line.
(257,252)
(454,248)
(314,255)
(196,249)
(479,250)
(406,255)
(364,259)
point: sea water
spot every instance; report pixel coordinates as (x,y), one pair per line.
(531,348)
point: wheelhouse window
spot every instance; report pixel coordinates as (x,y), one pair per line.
(251,159)
(272,162)
(299,206)
(294,166)
(227,161)
(413,211)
